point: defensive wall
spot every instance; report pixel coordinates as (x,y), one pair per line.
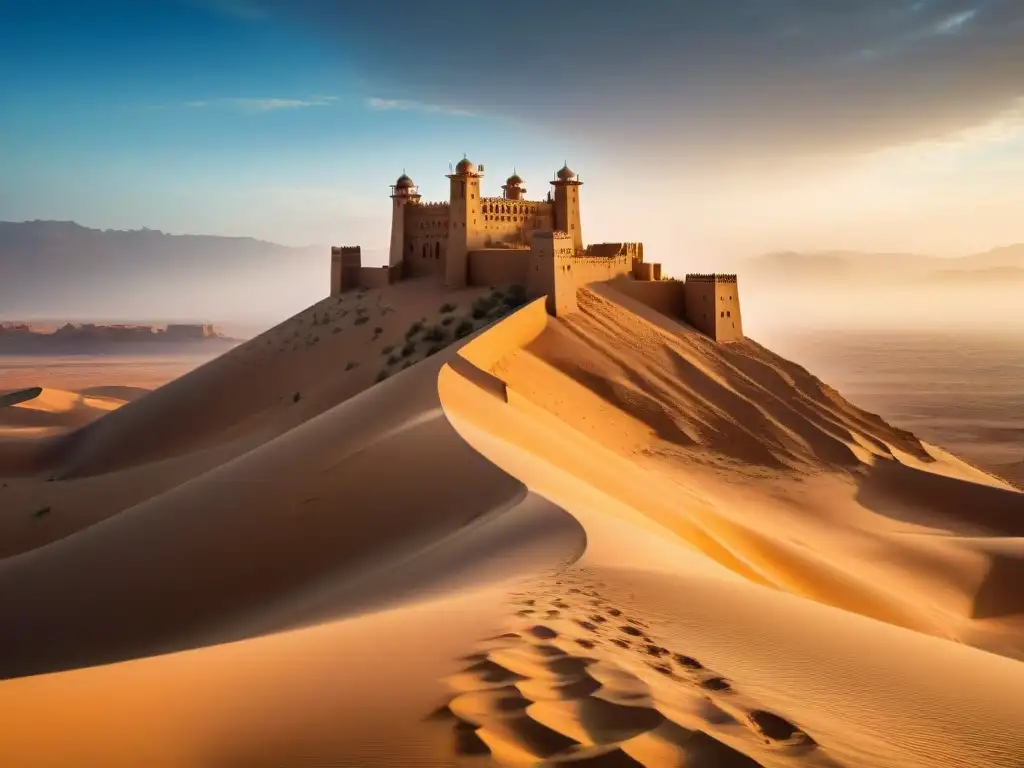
(498,266)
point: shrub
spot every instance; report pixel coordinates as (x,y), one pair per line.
(362,320)
(337,329)
(447,320)
(463,329)
(296,397)
(434,333)
(408,348)
(435,349)
(350,365)
(414,329)
(482,306)
(447,307)
(42,511)
(516,296)
(387,349)
(378,331)
(382,375)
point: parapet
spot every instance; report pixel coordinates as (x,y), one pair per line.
(710,278)
(348,255)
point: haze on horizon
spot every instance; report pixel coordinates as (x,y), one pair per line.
(708,130)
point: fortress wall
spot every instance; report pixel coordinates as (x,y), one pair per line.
(665,296)
(424,254)
(378,277)
(572,272)
(498,266)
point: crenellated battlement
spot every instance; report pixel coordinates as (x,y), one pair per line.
(710,278)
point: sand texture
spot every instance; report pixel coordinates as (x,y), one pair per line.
(601,540)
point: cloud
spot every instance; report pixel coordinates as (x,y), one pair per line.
(380,105)
(705,81)
(256,105)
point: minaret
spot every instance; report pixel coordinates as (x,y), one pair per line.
(464,230)
(567,205)
(513,187)
(403,193)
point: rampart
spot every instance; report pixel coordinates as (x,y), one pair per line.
(498,266)
(665,296)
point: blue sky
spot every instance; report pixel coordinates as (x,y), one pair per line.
(703,128)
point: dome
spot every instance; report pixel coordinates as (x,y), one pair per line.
(465,166)
(565,174)
(404,182)
(514,180)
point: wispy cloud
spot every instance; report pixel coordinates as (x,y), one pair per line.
(381,105)
(953,24)
(254,104)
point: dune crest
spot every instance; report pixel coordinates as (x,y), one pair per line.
(601,539)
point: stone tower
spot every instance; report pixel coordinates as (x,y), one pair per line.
(567,205)
(464,217)
(403,193)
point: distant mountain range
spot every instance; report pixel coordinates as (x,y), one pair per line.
(62,269)
(999,265)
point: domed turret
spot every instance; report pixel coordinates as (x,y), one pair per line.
(565,174)
(464,167)
(513,187)
(404,182)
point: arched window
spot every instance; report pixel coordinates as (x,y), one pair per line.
(425,246)
(437,250)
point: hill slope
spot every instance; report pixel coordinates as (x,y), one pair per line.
(600,539)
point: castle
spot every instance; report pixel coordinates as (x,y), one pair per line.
(476,240)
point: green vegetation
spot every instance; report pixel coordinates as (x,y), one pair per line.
(387,349)
(408,348)
(382,375)
(463,329)
(362,319)
(448,307)
(446,321)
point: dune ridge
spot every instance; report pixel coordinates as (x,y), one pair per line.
(600,540)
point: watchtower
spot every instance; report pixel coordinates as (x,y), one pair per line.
(713,306)
(403,193)
(463,221)
(566,207)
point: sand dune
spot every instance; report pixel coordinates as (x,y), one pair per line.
(600,540)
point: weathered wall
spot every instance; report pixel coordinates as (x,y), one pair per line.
(540,269)
(665,296)
(498,266)
(713,306)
